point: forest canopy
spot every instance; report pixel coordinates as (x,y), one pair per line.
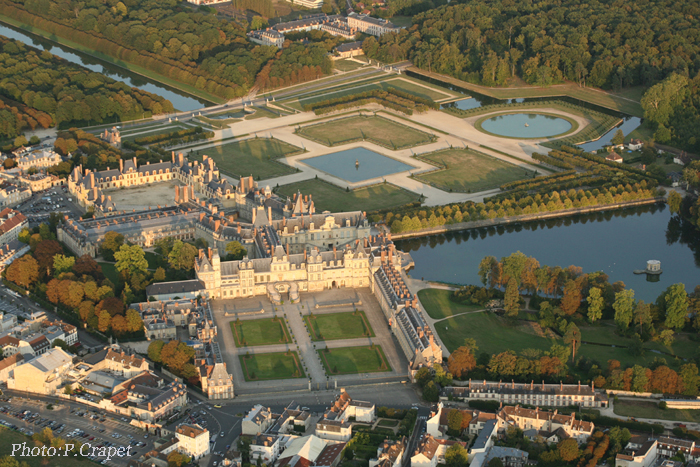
(38,89)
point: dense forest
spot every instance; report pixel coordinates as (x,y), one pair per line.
(38,89)
(611,45)
(193,47)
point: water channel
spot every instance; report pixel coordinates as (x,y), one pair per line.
(615,242)
(180,100)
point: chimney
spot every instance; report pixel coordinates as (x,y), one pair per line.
(250,179)
(269,214)
(561,386)
(255,210)
(579,386)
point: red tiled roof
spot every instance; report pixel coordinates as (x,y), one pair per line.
(12,360)
(12,222)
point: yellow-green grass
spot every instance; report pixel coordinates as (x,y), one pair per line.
(127,131)
(160,131)
(650,409)
(116,62)
(328,197)
(438,305)
(594,96)
(480,121)
(347,65)
(255,156)
(261,112)
(332,326)
(381,130)
(468,170)
(322,83)
(10,437)
(387,422)
(268,331)
(267,366)
(668,168)
(353,360)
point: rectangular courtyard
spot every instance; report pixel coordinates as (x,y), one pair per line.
(378,130)
(249,333)
(354,360)
(255,156)
(466,170)
(267,366)
(333,326)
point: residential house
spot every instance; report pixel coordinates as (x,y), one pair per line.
(348,50)
(9,345)
(431,451)
(11,251)
(389,454)
(11,195)
(265,447)
(11,224)
(193,440)
(644,456)
(635,144)
(565,426)
(614,157)
(34,345)
(8,364)
(483,442)
(257,420)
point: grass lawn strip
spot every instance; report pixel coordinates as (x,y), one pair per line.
(649,409)
(328,197)
(354,360)
(387,422)
(162,131)
(332,326)
(438,305)
(347,65)
(268,331)
(467,170)
(379,130)
(574,124)
(110,272)
(267,366)
(254,156)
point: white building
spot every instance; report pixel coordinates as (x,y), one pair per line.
(267,37)
(267,448)
(38,158)
(11,224)
(431,451)
(193,440)
(645,456)
(258,420)
(565,426)
(369,25)
(43,374)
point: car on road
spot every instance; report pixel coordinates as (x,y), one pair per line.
(218,406)
(222,434)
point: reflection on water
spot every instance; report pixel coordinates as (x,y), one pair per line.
(526,125)
(366,164)
(629,125)
(180,100)
(615,242)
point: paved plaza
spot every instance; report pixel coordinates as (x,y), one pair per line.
(328,301)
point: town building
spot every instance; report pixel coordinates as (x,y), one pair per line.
(34,345)
(257,420)
(112,136)
(390,453)
(38,158)
(643,456)
(510,457)
(39,181)
(11,224)
(543,395)
(9,345)
(563,426)
(216,381)
(483,443)
(267,36)
(430,451)
(8,364)
(43,374)
(614,157)
(162,317)
(369,25)
(193,440)
(11,251)
(12,195)
(348,50)
(265,448)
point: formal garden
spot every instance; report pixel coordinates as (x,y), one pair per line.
(332,326)
(275,365)
(469,171)
(268,331)
(354,360)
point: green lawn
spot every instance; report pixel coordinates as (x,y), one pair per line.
(267,331)
(388,422)
(648,409)
(352,360)
(10,437)
(110,272)
(276,365)
(347,65)
(492,334)
(332,326)
(438,304)
(328,197)
(156,261)
(255,156)
(261,112)
(161,131)
(380,130)
(469,170)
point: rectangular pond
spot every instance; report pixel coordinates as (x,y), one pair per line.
(357,165)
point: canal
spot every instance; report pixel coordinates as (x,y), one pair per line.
(615,242)
(180,100)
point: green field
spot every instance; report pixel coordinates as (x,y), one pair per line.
(269,331)
(328,197)
(468,170)
(387,422)
(352,360)
(160,131)
(332,326)
(10,437)
(648,409)
(255,156)
(438,305)
(379,130)
(347,65)
(276,365)
(110,272)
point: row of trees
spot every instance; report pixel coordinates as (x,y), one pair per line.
(16,117)
(51,90)
(391,98)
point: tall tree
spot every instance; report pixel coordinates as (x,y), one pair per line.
(595,304)
(624,306)
(642,315)
(573,337)
(674,201)
(182,255)
(512,298)
(131,258)
(23,271)
(571,300)
(110,245)
(676,306)
(461,361)
(235,251)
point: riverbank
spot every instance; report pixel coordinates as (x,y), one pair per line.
(594,96)
(143,72)
(523,218)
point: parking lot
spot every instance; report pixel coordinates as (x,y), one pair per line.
(74,423)
(39,207)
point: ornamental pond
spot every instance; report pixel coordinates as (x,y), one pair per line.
(526,125)
(357,164)
(614,242)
